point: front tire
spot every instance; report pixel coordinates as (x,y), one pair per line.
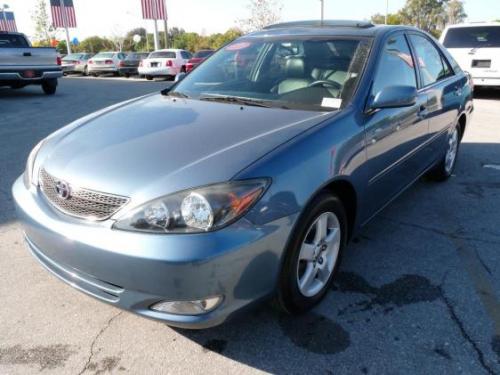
(313,254)
(149,78)
(444,169)
(49,86)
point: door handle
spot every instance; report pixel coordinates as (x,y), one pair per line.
(422,111)
(27,54)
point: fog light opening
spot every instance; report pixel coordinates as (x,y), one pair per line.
(196,307)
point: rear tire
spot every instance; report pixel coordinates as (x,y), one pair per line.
(149,78)
(313,255)
(444,169)
(49,86)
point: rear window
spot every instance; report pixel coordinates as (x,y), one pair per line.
(137,56)
(13,41)
(473,37)
(104,55)
(162,55)
(203,54)
(74,56)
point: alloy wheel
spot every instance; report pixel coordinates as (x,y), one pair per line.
(451,152)
(318,254)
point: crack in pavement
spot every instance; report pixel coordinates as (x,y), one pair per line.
(94,341)
(454,317)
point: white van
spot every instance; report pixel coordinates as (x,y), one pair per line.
(476,47)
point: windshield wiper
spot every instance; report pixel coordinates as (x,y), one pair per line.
(235,100)
(177,94)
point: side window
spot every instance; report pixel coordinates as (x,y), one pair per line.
(431,64)
(185,55)
(396,67)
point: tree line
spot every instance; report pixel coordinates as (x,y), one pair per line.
(429,15)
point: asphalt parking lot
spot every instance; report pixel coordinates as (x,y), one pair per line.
(418,290)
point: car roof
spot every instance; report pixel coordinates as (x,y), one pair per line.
(168,50)
(327,28)
(472,24)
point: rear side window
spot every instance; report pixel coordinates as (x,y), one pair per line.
(396,67)
(185,55)
(162,55)
(473,37)
(13,41)
(431,63)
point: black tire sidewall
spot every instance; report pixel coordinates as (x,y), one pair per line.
(289,295)
(49,87)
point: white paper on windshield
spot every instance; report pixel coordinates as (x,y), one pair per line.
(331,102)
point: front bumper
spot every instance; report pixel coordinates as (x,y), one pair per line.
(133,270)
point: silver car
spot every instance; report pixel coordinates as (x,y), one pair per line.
(76,63)
(105,63)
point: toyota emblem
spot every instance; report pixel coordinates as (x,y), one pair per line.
(63,190)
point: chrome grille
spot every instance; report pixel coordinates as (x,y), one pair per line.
(82,203)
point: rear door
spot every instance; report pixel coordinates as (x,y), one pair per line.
(394,136)
(444,90)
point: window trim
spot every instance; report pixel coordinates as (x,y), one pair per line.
(379,58)
(421,85)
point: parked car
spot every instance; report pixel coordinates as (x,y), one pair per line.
(128,67)
(198,58)
(164,63)
(22,65)
(105,63)
(76,63)
(476,47)
(247,178)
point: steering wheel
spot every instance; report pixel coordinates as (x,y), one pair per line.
(325,83)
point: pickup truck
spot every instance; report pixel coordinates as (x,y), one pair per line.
(22,65)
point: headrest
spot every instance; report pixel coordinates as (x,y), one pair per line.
(295,67)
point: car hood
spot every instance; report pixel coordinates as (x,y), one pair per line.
(156,145)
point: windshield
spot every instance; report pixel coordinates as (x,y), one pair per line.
(162,55)
(473,37)
(312,74)
(104,55)
(202,54)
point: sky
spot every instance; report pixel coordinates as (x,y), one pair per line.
(116,17)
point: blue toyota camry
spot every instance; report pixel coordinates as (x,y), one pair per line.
(247,178)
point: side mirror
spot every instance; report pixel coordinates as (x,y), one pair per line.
(180,77)
(394,97)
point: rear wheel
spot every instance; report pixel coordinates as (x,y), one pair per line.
(49,86)
(444,169)
(149,78)
(313,255)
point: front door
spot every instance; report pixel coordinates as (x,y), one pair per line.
(394,136)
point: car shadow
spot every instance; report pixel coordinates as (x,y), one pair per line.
(385,296)
(489,93)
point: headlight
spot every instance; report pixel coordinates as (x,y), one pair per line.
(197,210)
(28,173)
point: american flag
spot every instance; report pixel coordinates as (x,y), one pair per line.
(153,10)
(7,21)
(60,18)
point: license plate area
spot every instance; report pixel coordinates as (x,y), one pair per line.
(481,63)
(29,74)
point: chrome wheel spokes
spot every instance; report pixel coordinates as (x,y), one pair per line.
(318,254)
(451,152)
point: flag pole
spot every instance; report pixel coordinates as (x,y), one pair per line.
(166,24)
(157,46)
(63,11)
